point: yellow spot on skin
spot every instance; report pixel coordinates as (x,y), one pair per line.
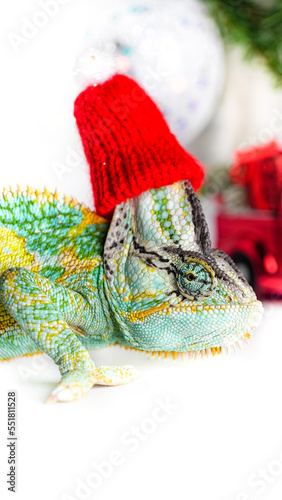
(89,218)
(70,262)
(12,250)
(142,315)
(174,355)
(216,350)
(56,195)
(73,202)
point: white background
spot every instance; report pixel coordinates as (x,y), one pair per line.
(224,430)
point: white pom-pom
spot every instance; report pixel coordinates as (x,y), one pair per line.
(95,66)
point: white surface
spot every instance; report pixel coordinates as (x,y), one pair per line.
(226,429)
(226,426)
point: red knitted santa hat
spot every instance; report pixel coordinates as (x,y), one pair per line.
(128,144)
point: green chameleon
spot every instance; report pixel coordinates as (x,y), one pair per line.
(70,282)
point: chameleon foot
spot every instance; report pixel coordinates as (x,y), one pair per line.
(73,385)
(77,383)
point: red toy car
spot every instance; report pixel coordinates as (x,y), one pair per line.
(253,238)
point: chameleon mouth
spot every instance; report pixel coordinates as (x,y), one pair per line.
(166,308)
(203,353)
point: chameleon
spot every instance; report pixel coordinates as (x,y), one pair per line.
(149,279)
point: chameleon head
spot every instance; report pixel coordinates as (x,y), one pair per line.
(168,289)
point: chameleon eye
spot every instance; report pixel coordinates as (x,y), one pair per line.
(196,279)
(191,277)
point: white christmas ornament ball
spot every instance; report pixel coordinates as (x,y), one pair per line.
(172,49)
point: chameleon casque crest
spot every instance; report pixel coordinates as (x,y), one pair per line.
(70,281)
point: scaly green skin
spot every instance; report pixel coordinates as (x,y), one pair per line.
(149,280)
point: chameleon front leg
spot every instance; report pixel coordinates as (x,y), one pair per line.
(44,310)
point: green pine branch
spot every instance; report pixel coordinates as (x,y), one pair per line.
(257,27)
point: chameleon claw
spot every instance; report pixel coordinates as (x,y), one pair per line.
(62,394)
(73,385)
(51,399)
